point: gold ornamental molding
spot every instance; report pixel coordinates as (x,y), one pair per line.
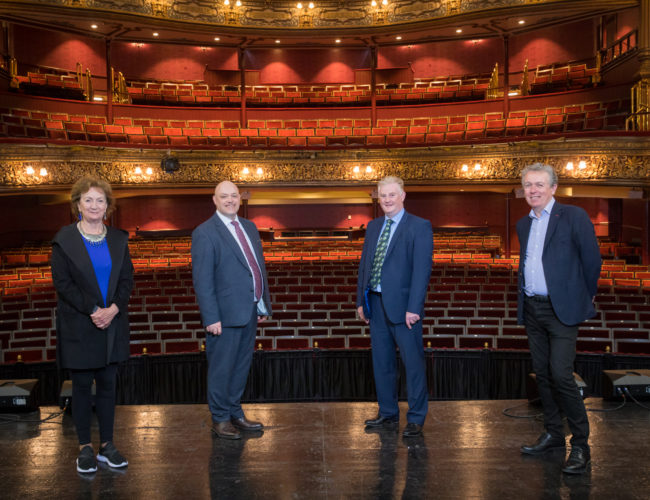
(591,161)
(268,14)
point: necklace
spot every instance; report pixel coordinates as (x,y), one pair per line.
(93,239)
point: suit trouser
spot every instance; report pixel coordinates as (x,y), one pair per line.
(553,349)
(229,358)
(384,336)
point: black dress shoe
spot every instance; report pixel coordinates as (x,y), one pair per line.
(225,430)
(244,424)
(544,443)
(380,421)
(412,430)
(578,460)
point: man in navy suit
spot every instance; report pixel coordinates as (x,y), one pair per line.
(391,289)
(559,268)
(232,291)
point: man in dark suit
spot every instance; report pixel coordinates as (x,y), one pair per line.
(391,289)
(559,268)
(233,295)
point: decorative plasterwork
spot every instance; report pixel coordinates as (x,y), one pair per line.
(279,13)
(624,162)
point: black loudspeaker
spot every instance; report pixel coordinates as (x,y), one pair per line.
(533,394)
(18,395)
(65,396)
(170,164)
(619,382)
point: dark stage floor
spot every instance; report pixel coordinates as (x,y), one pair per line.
(469,450)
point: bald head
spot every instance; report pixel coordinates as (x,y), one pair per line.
(226,199)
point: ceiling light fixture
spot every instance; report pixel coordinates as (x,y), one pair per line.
(155,33)
(459,30)
(521,21)
(93,26)
(398,37)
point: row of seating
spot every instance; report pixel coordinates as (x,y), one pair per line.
(316,96)
(50,85)
(314,307)
(563,77)
(317,133)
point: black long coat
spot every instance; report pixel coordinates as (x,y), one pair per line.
(80,344)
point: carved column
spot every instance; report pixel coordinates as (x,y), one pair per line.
(109,84)
(242,83)
(644,38)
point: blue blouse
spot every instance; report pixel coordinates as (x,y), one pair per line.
(101,259)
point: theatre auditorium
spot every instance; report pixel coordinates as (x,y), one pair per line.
(305,107)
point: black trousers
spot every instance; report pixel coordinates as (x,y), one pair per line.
(553,349)
(82,381)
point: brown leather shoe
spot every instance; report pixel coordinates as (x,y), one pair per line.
(246,425)
(225,430)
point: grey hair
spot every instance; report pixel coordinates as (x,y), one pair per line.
(391,179)
(540,167)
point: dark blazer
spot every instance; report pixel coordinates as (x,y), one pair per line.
(406,270)
(571,261)
(223,282)
(80,344)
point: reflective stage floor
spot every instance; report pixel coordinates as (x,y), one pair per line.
(469,450)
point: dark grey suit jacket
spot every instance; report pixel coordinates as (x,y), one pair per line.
(571,261)
(223,282)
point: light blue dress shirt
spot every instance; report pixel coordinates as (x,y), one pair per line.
(534,280)
(396,220)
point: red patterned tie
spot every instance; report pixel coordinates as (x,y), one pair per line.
(257,275)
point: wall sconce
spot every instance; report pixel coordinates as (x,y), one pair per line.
(368,169)
(245,171)
(477,167)
(569,165)
(305,17)
(29,170)
(356,169)
(582,164)
(149,171)
(137,171)
(159,7)
(232,15)
(464,168)
(259,171)
(379,11)
(43,172)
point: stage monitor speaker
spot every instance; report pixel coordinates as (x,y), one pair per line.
(533,394)
(637,383)
(65,396)
(18,395)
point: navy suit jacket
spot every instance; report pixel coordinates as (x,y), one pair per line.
(571,261)
(406,270)
(223,282)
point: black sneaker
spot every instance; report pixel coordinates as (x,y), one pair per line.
(86,462)
(109,455)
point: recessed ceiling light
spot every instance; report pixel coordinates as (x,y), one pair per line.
(521,21)
(216,38)
(155,33)
(93,26)
(459,30)
(338,40)
(277,41)
(398,37)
